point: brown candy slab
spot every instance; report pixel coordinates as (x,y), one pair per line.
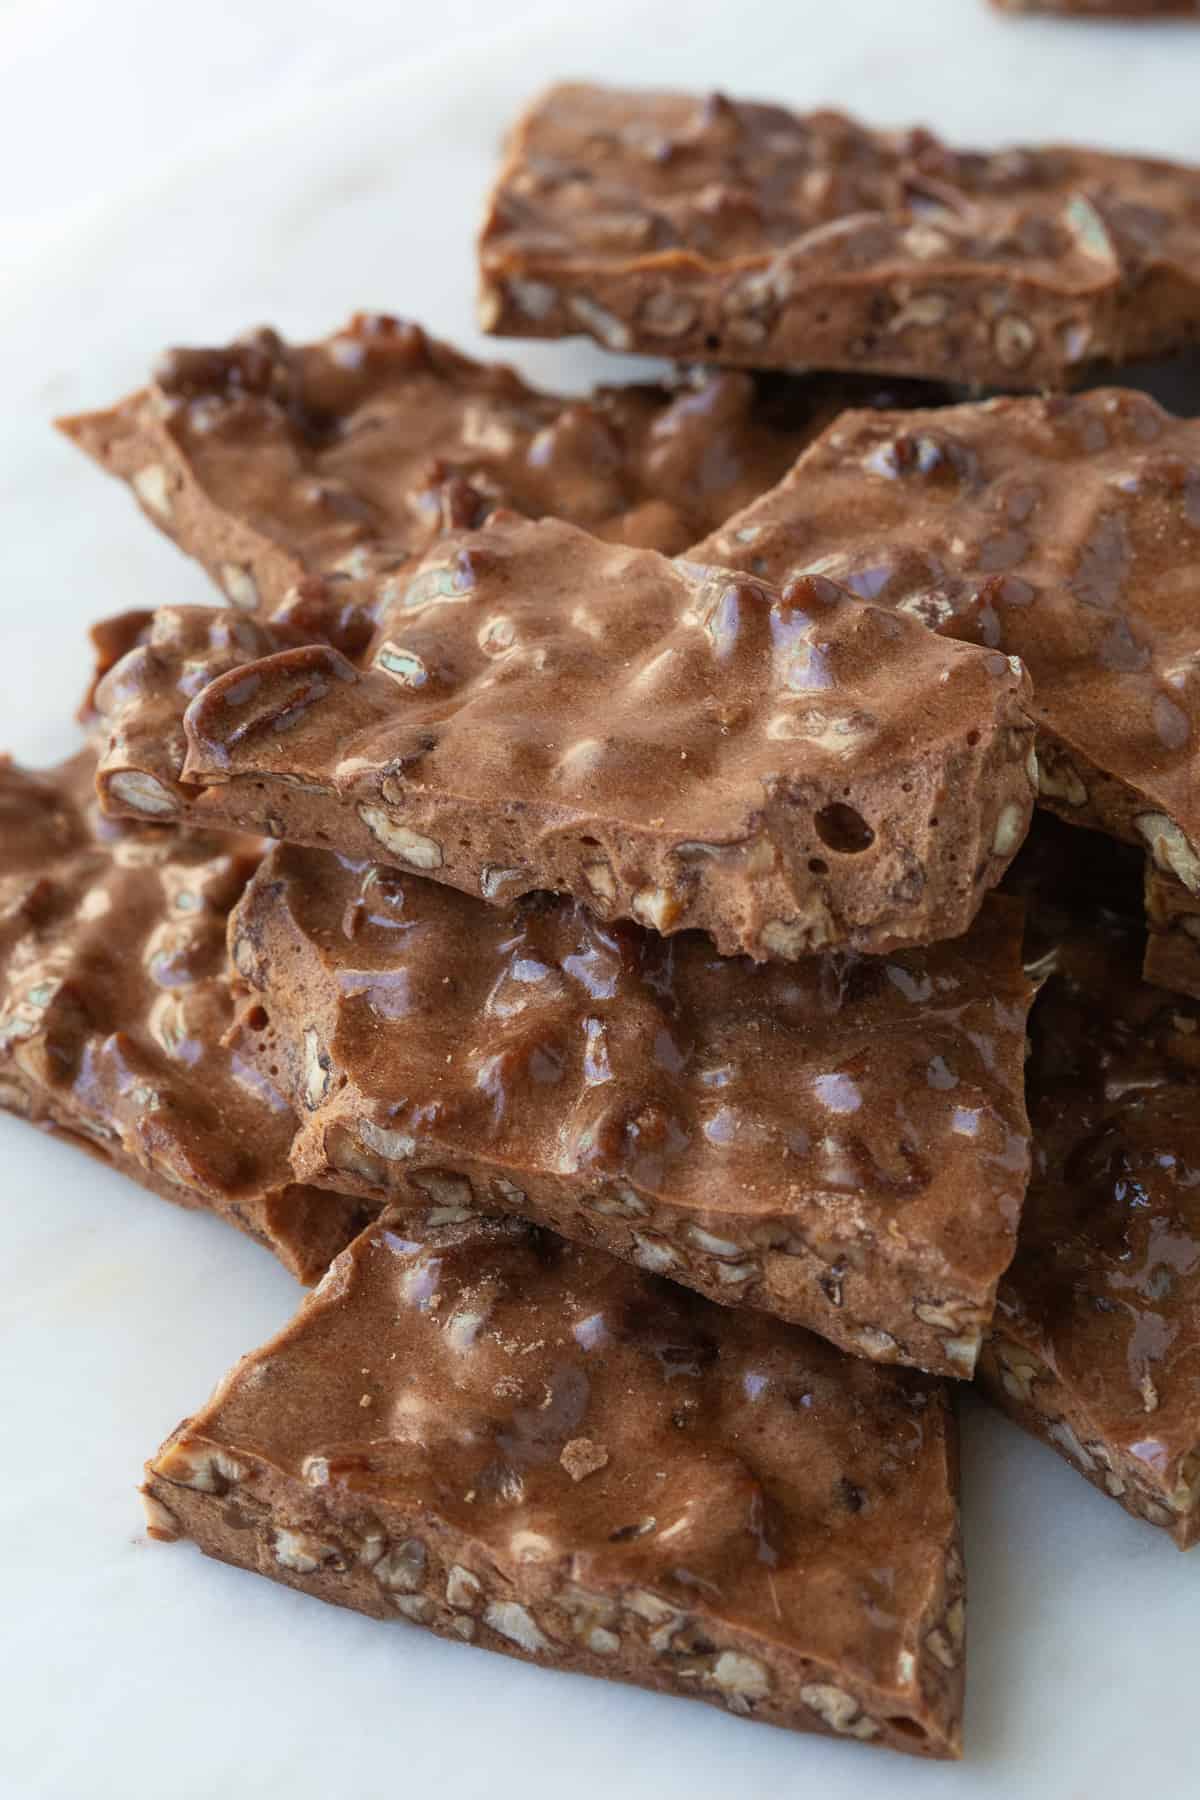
(114,1000)
(531,1447)
(840,1141)
(1096,1342)
(747,234)
(785,769)
(1065,531)
(1106,9)
(303,477)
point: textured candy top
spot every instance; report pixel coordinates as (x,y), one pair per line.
(864,1111)
(1065,531)
(1106,1284)
(114,1000)
(743,233)
(586,1430)
(784,769)
(277,465)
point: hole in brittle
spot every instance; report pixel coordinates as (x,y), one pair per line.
(257,1018)
(817,866)
(907,1727)
(712,341)
(972,739)
(591,842)
(843,829)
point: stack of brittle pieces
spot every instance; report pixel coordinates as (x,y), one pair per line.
(585,892)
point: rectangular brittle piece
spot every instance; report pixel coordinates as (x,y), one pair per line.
(1106,9)
(1095,1347)
(533,1448)
(302,477)
(733,232)
(1064,531)
(784,769)
(1173,944)
(114,1000)
(840,1141)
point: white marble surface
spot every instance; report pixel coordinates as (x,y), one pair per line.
(131,1671)
(94,97)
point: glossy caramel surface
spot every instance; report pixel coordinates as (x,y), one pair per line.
(1106,1283)
(788,770)
(865,1110)
(114,999)
(1065,531)
(618,174)
(704,225)
(560,1422)
(276,463)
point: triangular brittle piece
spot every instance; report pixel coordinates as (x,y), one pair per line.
(538,1450)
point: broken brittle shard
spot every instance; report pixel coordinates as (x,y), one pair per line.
(1095,1345)
(114,999)
(531,1447)
(727,231)
(839,1141)
(1064,531)
(1106,9)
(787,770)
(303,476)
